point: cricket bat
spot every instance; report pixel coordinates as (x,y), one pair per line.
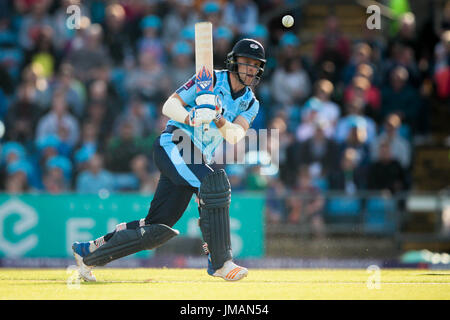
(204,79)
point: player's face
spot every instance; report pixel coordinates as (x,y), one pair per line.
(248,68)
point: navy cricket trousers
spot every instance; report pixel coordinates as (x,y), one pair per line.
(180,176)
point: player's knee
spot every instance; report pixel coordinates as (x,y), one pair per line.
(215,190)
(130,225)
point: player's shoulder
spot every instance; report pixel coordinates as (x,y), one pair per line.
(251,97)
(221,74)
(187,85)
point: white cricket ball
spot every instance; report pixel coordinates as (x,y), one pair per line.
(288,21)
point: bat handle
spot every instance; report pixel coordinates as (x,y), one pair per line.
(205,127)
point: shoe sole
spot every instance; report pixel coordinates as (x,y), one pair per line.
(232,276)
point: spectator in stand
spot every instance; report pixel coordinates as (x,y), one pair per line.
(305,205)
(74,90)
(102,119)
(407,36)
(148,79)
(357,140)
(355,115)
(331,50)
(362,53)
(95,178)
(319,154)
(11,152)
(182,66)
(328,109)
(139,115)
(58,174)
(400,147)
(275,205)
(48,146)
(151,41)
(441,72)
(35,84)
(22,116)
(59,122)
(148,180)
(89,138)
(241,16)
(33,22)
(444,23)
(122,148)
(442,52)
(398,9)
(279,142)
(63,34)
(11,57)
(349,178)
(6,80)
(386,173)
(402,56)
(116,35)
(212,11)
(18,174)
(102,92)
(290,84)
(318,108)
(43,56)
(400,97)
(90,54)
(289,48)
(377,42)
(180,15)
(363,87)
(188,35)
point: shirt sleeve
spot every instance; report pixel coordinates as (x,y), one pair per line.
(187,91)
(251,112)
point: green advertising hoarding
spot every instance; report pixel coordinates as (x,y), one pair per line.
(44,225)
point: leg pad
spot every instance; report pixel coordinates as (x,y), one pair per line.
(130,241)
(215,198)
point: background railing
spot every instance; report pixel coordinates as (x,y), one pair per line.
(403,221)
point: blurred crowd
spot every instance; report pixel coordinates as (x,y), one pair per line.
(80,107)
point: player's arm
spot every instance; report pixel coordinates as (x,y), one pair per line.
(174,108)
(234,131)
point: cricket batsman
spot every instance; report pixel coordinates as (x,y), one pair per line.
(229,112)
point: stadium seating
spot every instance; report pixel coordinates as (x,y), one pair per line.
(379,216)
(343,210)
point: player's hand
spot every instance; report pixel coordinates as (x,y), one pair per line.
(201,115)
(209,101)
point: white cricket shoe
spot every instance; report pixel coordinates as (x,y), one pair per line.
(231,272)
(84,271)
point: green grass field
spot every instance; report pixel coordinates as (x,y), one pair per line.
(195,284)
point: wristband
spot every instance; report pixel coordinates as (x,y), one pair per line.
(218,117)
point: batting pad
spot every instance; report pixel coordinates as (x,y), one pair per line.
(130,241)
(215,198)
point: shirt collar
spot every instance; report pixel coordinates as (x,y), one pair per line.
(238,94)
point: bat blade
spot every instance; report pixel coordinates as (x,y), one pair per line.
(204,79)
